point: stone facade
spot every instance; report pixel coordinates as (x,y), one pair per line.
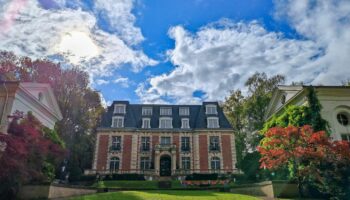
(155,151)
(335,101)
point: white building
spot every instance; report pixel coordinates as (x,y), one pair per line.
(24,97)
(335,101)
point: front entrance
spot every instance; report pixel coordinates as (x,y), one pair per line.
(165,166)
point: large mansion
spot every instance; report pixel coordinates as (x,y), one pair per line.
(164,140)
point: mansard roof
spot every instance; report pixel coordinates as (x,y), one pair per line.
(133,116)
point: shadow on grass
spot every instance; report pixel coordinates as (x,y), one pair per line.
(182,192)
(109,196)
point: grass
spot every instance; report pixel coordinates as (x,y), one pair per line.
(143,185)
(131,184)
(165,195)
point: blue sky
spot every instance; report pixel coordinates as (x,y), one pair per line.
(183,51)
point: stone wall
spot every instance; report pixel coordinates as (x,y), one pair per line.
(268,189)
(52,191)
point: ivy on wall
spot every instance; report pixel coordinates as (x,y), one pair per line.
(300,115)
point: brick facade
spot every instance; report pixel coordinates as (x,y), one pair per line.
(226,151)
(102,152)
(127,144)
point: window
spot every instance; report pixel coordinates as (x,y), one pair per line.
(119,108)
(146,123)
(165,140)
(165,123)
(345,137)
(40,96)
(185,143)
(210,110)
(214,143)
(116,143)
(213,122)
(145,163)
(184,111)
(147,111)
(186,163)
(145,141)
(114,164)
(215,163)
(343,119)
(283,99)
(118,122)
(165,111)
(185,123)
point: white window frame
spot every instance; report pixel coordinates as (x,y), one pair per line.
(186,163)
(209,125)
(215,163)
(184,111)
(165,111)
(117,143)
(163,138)
(210,108)
(144,120)
(183,124)
(165,118)
(145,163)
(145,143)
(117,118)
(147,110)
(119,105)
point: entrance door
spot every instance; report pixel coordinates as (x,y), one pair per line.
(165,166)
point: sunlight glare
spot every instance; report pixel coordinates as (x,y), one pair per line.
(78,46)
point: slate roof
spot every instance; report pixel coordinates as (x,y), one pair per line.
(133,116)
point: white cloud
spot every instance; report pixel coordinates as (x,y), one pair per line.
(122,81)
(38,32)
(221,56)
(101,82)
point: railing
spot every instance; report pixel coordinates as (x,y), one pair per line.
(165,147)
(177,172)
(115,148)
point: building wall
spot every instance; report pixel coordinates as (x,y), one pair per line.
(333,101)
(130,155)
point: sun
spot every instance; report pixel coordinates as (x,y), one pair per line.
(78,46)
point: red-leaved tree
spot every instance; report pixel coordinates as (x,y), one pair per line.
(312,158)
(25,154)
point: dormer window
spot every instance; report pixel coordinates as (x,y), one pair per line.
(185,123)
(165,111)
(213,122)
(146,123)
(40,96)
(210,110)
(147,111)
(184,111)
(165,122)
(118,122)
(119,108)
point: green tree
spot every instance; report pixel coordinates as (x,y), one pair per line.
(246,112)
(80,105)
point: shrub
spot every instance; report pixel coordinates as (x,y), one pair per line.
(125,177)
(200,177)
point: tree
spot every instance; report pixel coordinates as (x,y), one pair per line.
(28,157)
(312,158)
(80,105)
(246,112)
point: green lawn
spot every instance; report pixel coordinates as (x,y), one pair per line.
(144,184)
(165,195)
